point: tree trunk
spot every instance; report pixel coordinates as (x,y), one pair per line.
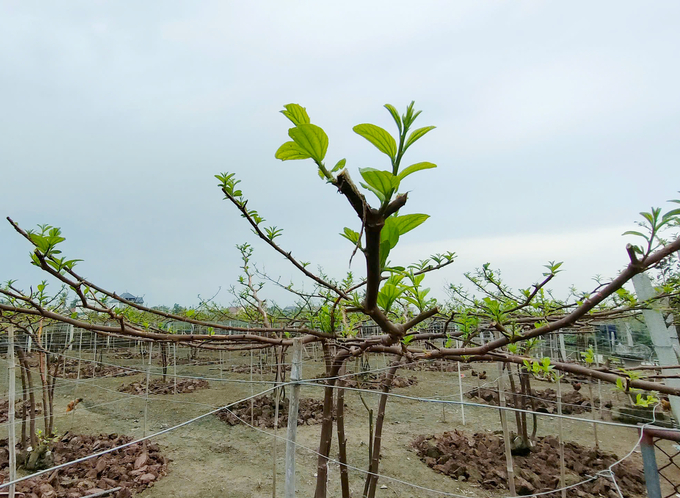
(24,395)
(342,440)
(45,392)
(327,421)
(372,477)
(31,397)
(525,379)
(521,420)
(164,359)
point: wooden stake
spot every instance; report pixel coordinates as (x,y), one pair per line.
(252,391)
(12,443)
(80,358)
(277,398)
(174,362)
(592,411)
(460,391)
(506,432)
(71,331)
(146,398)
(559,425)
(295,376)
(94,363)
(599,382)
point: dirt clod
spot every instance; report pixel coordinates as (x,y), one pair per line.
(480,459)
(310,412)
(157,386)
(545,401)
(108,471)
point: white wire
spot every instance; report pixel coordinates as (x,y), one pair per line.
(417,486)
(131,443)
(481,405)
(226,407)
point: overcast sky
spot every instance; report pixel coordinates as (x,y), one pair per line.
(557,122)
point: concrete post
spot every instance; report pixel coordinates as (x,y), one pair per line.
(295,376)
(663,346)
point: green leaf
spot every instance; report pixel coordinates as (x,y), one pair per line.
(415,167)
(296,113)
(290,151)
(395,115)
(388,295)
(311,139)
(389,237)
(377,193)
(350,235)
(416,134)
(383,181)
(633,232)
(340,164)
(670,214)
(408,222)
(390,233)
(385,248)
(379,137)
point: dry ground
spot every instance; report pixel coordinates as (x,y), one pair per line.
(213,459)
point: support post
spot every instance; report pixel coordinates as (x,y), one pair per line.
(148,374)
(94,357)
(660,335)
(12,443)
(174,364)
(460,393)
(252,391)
(649,466)
(563,348)
(592,412)
(506,432)
(75,388)
(561,437)
(460,389)
(71,332)
(295,377)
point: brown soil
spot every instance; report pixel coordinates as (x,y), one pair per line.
(158,386)
(310,412)
(18,410)
(545,401)
(480,459)
(266,369)
(87,371)
(433,366)
(198,360)
(133,469)
(373,381)
(134,354)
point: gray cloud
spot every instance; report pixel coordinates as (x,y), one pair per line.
(552,119)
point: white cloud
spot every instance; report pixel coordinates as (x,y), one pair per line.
(521,257)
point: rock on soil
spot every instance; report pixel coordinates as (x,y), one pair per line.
(86,370)
(18,410)
(310,412)
(545,401)
(480,459)
(266,369)
(157,386)
(133,469)
(373,381)
(434,366)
